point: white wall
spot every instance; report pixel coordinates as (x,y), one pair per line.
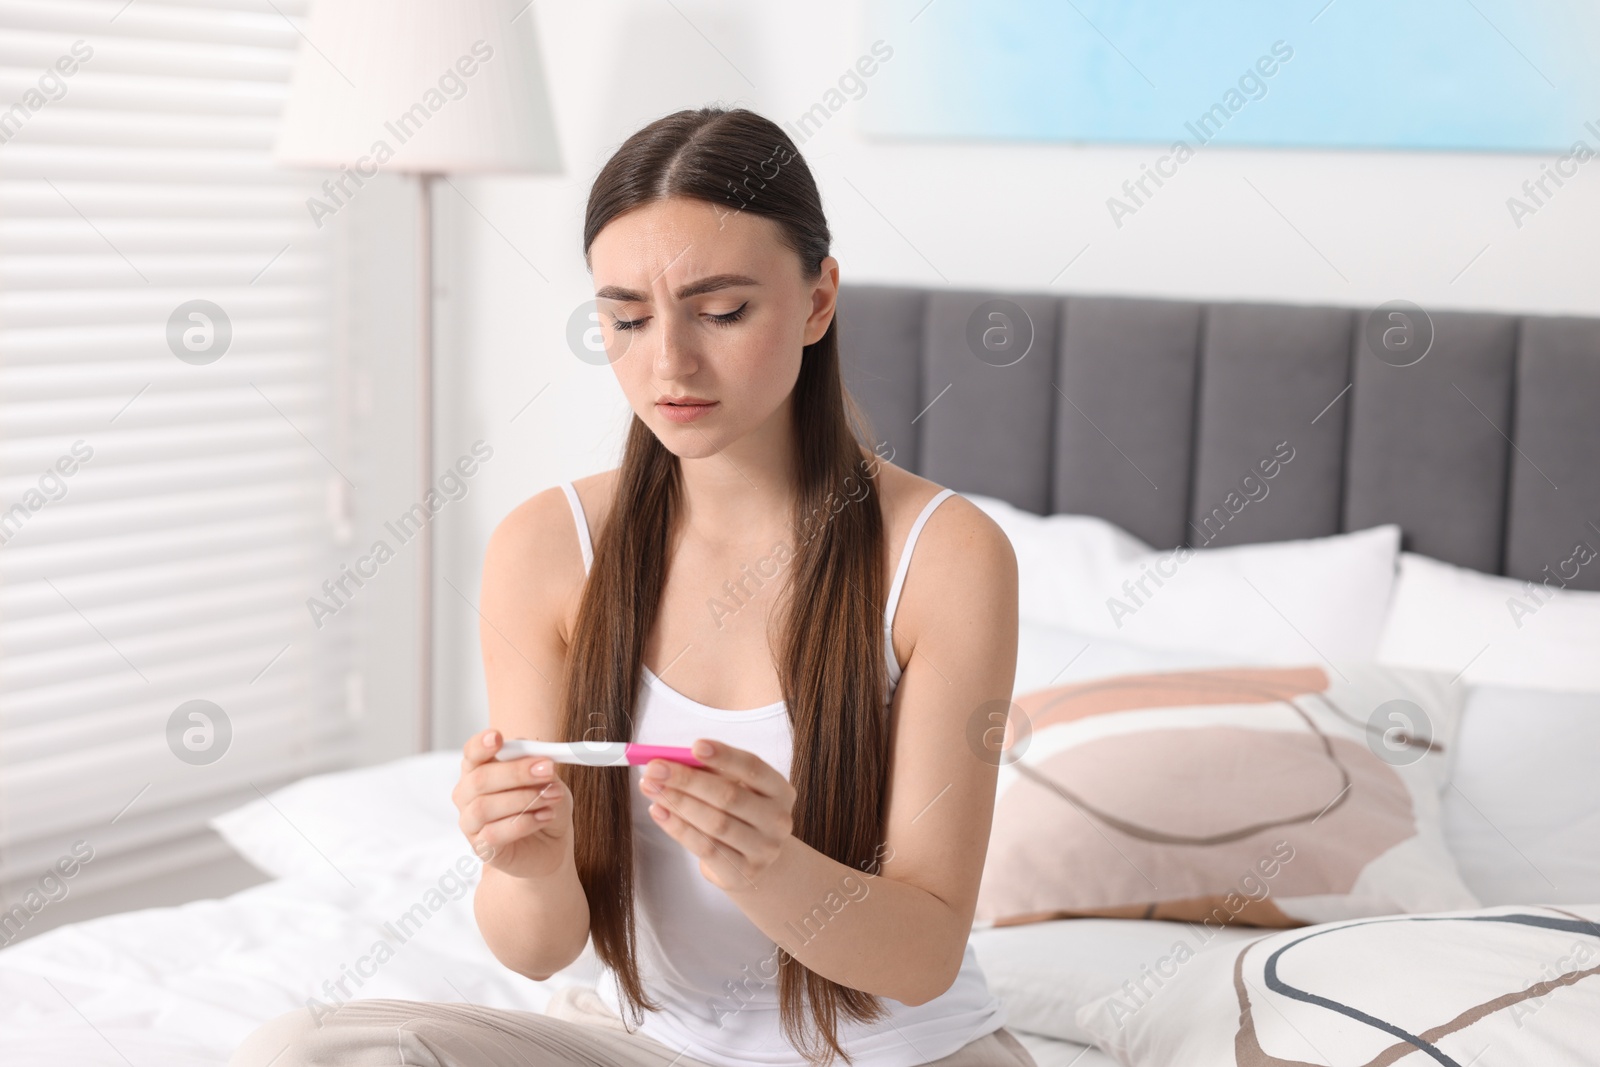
(1344,228)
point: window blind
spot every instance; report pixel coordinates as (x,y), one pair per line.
(174,453)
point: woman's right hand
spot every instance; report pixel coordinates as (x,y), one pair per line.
(517,814)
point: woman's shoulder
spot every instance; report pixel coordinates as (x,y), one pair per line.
(957,534)
(543,528)
(595,493)
(548,507)
(962,571)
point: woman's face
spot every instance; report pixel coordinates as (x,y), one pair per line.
(705,311)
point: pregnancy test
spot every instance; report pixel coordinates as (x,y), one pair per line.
(596,753)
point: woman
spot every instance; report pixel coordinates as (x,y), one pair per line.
(806,894)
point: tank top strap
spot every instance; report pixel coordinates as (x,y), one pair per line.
(582,522)
(900,580)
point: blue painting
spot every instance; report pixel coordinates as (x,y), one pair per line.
(1472,75)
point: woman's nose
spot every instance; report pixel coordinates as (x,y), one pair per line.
(675,354)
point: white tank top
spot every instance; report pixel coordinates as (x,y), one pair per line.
(713,971)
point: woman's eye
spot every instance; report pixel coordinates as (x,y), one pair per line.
(729,317)
(724,319)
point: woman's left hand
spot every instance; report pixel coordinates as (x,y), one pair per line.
(734,814)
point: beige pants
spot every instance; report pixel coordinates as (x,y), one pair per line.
(577,1030)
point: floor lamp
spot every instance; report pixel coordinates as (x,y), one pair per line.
(427,88)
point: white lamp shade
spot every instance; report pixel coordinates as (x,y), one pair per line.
(429,86)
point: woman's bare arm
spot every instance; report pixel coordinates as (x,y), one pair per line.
(530,905)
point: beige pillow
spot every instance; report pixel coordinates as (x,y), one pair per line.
(1254,795)
(1514,984)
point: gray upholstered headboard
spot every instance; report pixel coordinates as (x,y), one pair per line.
(1486,451)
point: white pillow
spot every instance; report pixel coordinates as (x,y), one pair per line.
(1522,812)
(394,818)
(1277,602)
(1055,655)
(1044,972)
(1462,983)
(1492,630)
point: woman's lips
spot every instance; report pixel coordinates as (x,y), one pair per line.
(685,411)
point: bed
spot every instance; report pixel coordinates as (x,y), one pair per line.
(1426,492)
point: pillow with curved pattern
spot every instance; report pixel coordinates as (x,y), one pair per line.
(1512,984)
(1259,796)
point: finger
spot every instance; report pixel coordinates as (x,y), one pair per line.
(480,746)
(710,786)
(729,832)
(512,828)
(746,768)
(492,807)
(494,776)
(724,861)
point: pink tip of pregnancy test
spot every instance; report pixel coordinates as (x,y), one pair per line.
(638,754)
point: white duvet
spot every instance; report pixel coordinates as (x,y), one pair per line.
(172,987)
(181,987)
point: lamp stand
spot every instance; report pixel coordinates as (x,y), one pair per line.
(424,722)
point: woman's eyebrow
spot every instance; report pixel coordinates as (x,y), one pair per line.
(695,288)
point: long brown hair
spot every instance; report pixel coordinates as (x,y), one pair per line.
(830,655)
